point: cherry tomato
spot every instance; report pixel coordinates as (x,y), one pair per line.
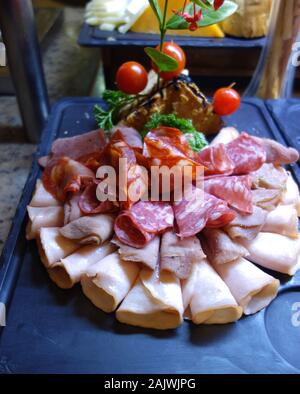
(131,78)
(226,101)
(176,52)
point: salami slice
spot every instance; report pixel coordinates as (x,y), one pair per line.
(89,203)
(235,190)
(199,209)
(216,160)
(139,224)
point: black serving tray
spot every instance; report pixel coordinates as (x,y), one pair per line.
(94,37)
(49,330)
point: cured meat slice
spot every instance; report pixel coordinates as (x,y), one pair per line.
(225,135)
(42,198)
(219,248)
(252,288)
(199,209)
(89,203)
(107,282)
(276,252)
(43,217)
(72,210)
(178,255)
(247,153)
(216,160)
(90,229)
(138,225)
(210,300)
(278,154)
(68,271)
(235,190)
(247,226)
(148,255)
(79,146)
(131,136)
(269,177)
(53,246)
(283,220)
(64,175)
(291,195)
(267,199)
(153,302)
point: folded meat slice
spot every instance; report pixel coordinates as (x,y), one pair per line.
(267,199)
(209,298)
(283,220)
(42,198)
(278,154)
(148,255)
(155,301)
(131,136)
(90,229)
(225,135)
(178,255)
(269,177)
(274,251)
(68,271)
(216,160)
(107,282)
(53,246)
(43,217)
(291,195)
(72,210)
(219,247)
(247,226)
(252,288)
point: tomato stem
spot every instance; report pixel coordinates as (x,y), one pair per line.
(163,31)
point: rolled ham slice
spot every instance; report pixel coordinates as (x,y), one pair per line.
(108,281)
(53,246)
(252,288)
(219,247)
(42,198)
(90,229)
(225,135)
(178,255)
(68,271)
(209,298)
(153,302)
(291,195)
(283,220)
(274,251)
(72,210)
(148,255)
(43,217)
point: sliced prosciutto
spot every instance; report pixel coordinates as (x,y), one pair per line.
(64,175)
(131,136)
(235,190)
(138,225)
(199,209)
(89,203)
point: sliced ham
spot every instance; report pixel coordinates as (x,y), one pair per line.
(148,255)
(235,190)
(197,210)
(131,136)
(90,229)
(267,199)
(64,175)
(209,299)
(107,282)
(53,246)
(43,217)
(79,146)
(278,154)
(219,248)
(247,226)
(138,225)
(42,198)
(69,270)
(283,220)
(153,302)
(252,288)
(72,210)
(269,177)
(275,252)
(178,255)
(291,195)
(225,135)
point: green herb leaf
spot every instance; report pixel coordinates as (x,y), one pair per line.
(163,62)
(157,11)
(197,141)
(209,16)
(103,118)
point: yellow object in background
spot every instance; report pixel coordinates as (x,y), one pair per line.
(147,23)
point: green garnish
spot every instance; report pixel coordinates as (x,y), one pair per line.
(116,100)
(197,140)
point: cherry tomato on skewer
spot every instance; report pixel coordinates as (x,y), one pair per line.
(131,78)
(226,101)
(175,51)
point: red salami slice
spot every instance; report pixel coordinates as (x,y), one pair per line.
(131,136)
(139,224)
(216,160)
(235,190)
(89,203)
(199,209)
(247,153)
